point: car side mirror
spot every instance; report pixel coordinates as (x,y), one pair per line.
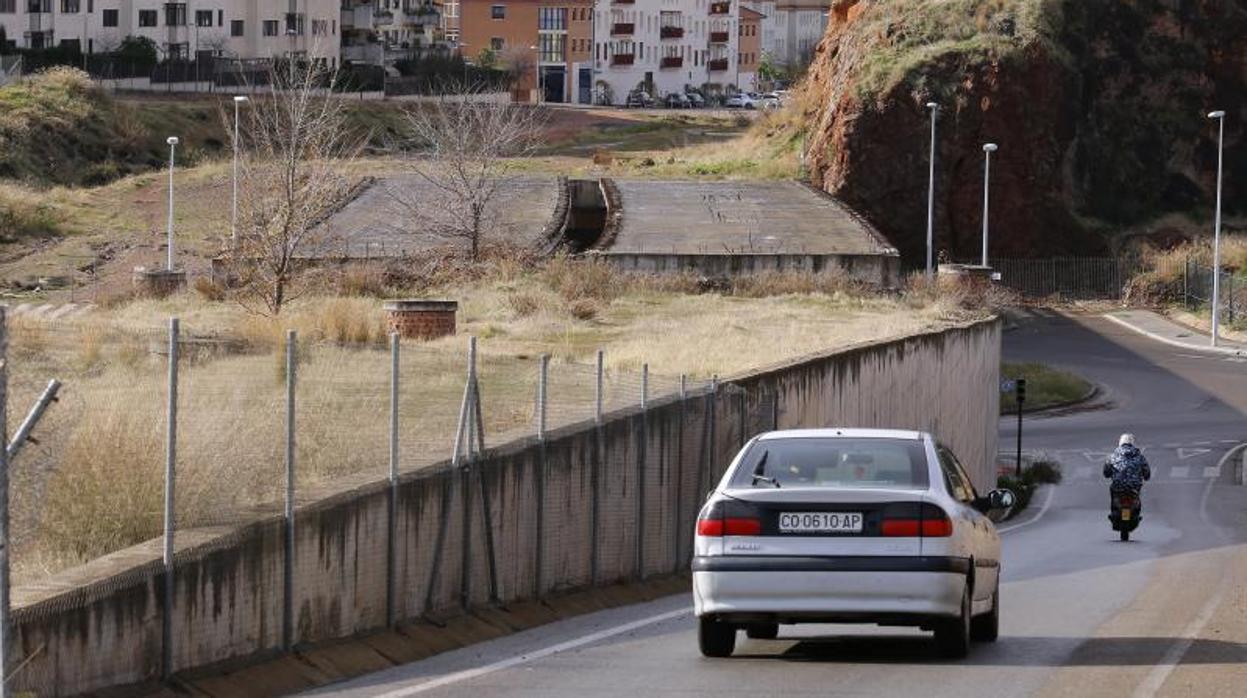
(996,504)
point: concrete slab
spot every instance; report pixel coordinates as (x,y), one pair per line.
(379,223)
(756,217)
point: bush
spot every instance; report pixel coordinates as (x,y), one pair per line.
(583,279)
(209,290)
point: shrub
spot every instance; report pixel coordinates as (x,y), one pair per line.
(580,279)
(209,290)
(1043,472)
(583,308)
(524,303)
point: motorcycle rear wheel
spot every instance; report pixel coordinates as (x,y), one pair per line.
(1125,535)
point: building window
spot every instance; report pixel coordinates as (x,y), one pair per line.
(270,27)
(203,18)
(320,27)
(552,47)
(70,7)
(237,27)
(179,52)
(148,18)
(495,44)
(498,11)
(552,18)
(294,24)
(175,14)
(8,7)
(110,18)
(220,18)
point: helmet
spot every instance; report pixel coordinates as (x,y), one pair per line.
(1126,438)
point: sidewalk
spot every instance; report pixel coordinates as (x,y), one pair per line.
(1162,329)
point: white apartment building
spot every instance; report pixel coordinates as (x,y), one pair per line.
(792,28)
(382,31)
(667,43)
(246,29)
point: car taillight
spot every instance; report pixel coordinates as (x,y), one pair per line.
(728,518)
(913,520)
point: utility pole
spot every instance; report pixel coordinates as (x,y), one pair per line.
(1216,236)
(1021,397)
(934,108)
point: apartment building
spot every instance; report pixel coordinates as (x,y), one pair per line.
(548,43)
(792,28)
(382,31)
(749,54)
(246,29)
(667,45)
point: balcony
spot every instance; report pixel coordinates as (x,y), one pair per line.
(720,8)
(718,37)
(671,62)
(671,32)
(716,65)
(623,59)
(623,2)
(384,17)
(622,28)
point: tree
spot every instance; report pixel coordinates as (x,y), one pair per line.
(461,145)
(487,58)
(295,149)
(138,49)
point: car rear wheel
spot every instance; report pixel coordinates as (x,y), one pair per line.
(986,628)
(952,635)
(714,638)
(762,631)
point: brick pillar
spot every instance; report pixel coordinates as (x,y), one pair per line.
(418,319)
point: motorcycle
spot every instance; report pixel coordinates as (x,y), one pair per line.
(1125,512)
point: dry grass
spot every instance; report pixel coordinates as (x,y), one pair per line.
(93,485)
(1160,282)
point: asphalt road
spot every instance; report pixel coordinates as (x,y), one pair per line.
(1083,614)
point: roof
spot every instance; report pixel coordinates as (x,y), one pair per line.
(834,432)
(750,14)
(738,217)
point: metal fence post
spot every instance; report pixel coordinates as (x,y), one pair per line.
(1186,283)
(5,628)
(679,480)
(644,386)
(287,616)
(543,378)
(597,414)
(391,588)
(171,440)
(642,435)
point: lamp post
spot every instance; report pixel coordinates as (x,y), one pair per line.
(239,100)
(1216,235)
(934,109)
(173,144)
(537,50)
(988,149)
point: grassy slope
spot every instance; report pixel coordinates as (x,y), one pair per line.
(1045,386)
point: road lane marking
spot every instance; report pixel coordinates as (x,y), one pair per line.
(1212,471)
(1184,453)
(1042,510)
(469,674)
(1180,471)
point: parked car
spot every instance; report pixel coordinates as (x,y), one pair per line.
(679,100)
(740,100)
(696,99)
(771,100)
(847,526)
(639,98)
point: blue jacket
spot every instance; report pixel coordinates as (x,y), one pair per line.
(1128,469)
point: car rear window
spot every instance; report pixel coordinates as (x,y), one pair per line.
(834,462)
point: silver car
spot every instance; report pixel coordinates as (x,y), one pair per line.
(847,526)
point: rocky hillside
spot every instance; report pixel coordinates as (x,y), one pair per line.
(1098,107)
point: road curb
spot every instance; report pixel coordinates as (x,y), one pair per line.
(1174,343)
(1091,394)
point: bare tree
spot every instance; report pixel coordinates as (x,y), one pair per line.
(296,156)
(461,150)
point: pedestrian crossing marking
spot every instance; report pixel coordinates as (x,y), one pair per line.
(1213,471)
(1180,471)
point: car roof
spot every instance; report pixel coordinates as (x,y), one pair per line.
(835,432)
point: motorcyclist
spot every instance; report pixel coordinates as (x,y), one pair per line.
(1127,467)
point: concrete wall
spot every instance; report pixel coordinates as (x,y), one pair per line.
(590,505)
(883,270)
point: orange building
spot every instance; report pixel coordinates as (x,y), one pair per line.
(549,43)
(749,47)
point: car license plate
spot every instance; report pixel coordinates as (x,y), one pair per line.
(1125,514)
(820,522)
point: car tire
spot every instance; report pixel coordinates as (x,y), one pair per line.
(986,628)
(762,631)
(952,635)
(714,638)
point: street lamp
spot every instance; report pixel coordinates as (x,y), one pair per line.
(1216,236)
(988,149)
(934,108)
(173,144)
(537,49)
(239,100)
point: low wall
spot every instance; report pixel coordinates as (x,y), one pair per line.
(878,269)
(592,504)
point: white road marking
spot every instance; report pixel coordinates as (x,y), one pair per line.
(1184,453)
(1180,471)
(1042,510)
(1212,471)
(469,674)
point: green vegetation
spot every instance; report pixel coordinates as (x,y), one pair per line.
(1040,472)
(1045,386)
